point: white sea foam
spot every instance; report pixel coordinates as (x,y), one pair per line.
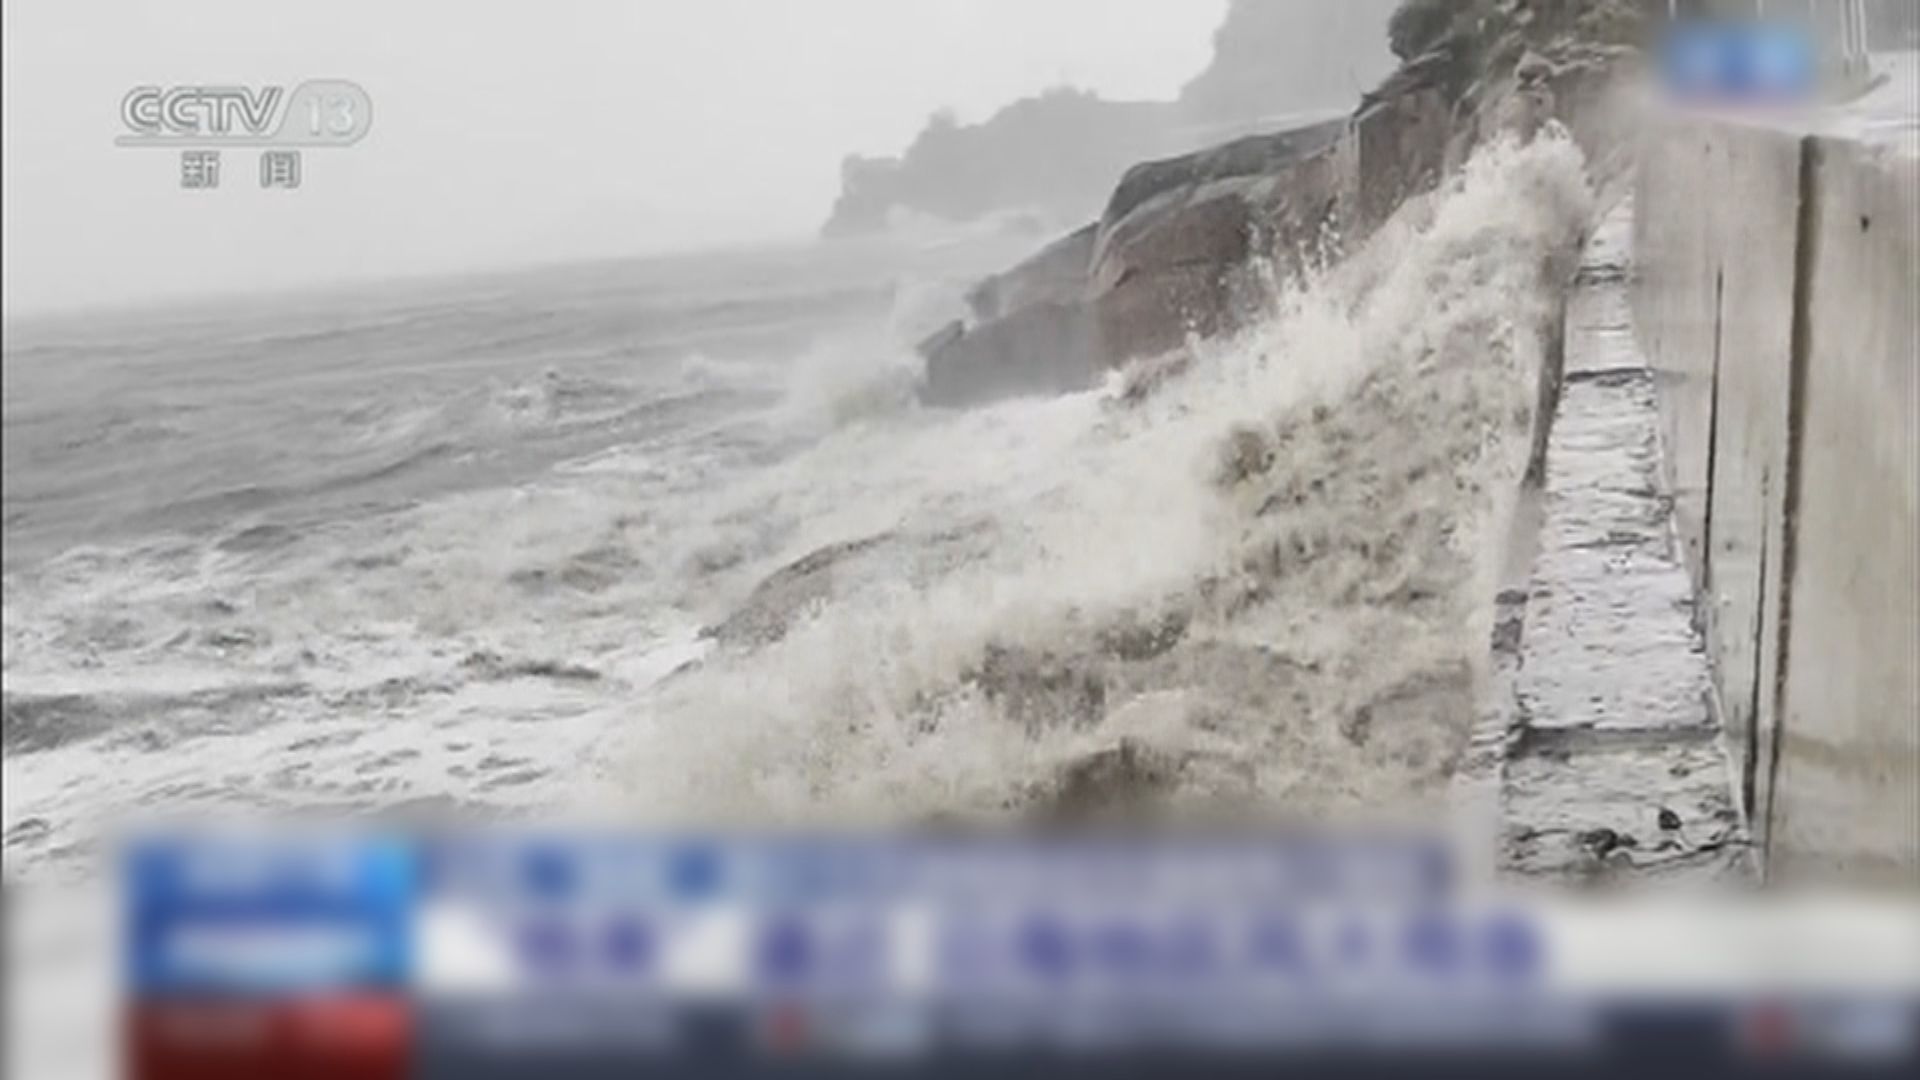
(870,371)
(1040,604)
(1262,589)
(1266,588)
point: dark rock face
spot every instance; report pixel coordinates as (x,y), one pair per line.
(1176,264)
(1187,246)
(1401,134)
(1057,275)
(1169,257)
(1033,334)
(1181,260)
(1044,348)
(1249,156)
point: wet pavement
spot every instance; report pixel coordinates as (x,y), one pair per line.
(1608,763)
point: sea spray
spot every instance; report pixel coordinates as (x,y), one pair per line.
(870,370)
(1262,589)
(1094,603)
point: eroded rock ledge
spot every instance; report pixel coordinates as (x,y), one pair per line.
(1189,246)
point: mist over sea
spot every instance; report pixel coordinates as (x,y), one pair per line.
(515,544)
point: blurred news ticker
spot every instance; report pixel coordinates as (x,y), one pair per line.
(1740,62)
(547,953)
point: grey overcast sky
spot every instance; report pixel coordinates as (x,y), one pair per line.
(511,131)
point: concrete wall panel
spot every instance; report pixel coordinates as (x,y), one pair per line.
(1678,258)
(1776,303)
(1846,794)
(1753,222)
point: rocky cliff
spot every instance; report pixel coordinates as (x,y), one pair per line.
(1052,154)
(1189,245)
(1057,153)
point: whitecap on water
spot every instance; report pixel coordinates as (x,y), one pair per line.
(1262,589)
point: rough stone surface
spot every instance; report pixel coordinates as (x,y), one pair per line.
(1044,348)
(1187,260)
(1610,642)
(1613,718)
(1056,275)
(1151,312)
(1188,246)
(1249,156)
(1402,132)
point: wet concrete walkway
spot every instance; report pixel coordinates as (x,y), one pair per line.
(1610,762)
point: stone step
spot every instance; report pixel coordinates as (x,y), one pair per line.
(1613,767)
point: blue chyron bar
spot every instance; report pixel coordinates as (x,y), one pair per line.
(547,954)
(268,955)
(1732,63)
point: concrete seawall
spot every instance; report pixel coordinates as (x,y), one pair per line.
(1608,763)
(1777,269)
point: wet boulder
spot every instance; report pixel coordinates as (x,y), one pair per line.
(1044,348)
(1175,267)
(1056,275)
(1172,255)
(1252,155)
(1402,133)
(1190,246)
(1030,333)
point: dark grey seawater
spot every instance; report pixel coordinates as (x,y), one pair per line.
(378,545)
(277,413)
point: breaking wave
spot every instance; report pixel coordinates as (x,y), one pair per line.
(1259,584)
(871,371)
(1252,579)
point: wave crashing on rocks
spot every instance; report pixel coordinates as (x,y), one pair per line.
(1260,587)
